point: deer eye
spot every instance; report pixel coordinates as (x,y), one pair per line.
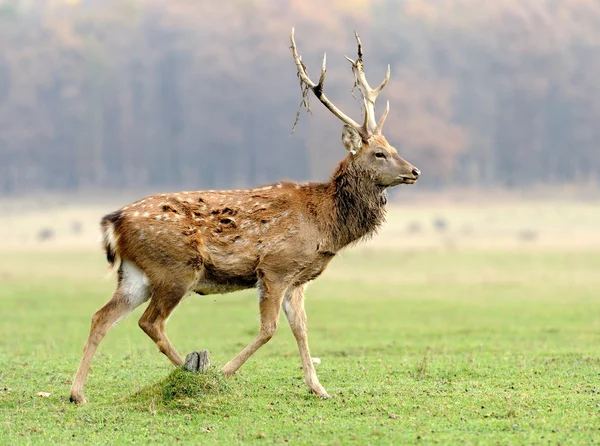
(380,155)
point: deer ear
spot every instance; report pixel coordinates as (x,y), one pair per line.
(351,139)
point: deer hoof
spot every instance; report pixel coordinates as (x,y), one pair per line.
(320,393)
(78,399)
(227,373)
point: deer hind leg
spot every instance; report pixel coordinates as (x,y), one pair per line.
(131,292)
(293,307)
(164,300)
(270,297)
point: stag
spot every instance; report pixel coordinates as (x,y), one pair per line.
(275,238)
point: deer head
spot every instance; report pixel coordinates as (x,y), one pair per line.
(368,149)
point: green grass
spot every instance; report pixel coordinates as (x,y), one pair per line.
(416,347)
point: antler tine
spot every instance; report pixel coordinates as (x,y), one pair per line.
(360,53)
(350,60)
(317,89)
(365,125)
(385,80)
(379,127)
(369,94)
(323,70)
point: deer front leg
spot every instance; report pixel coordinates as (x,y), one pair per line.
(293,307)
(270,297)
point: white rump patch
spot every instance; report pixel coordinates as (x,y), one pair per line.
(135,284)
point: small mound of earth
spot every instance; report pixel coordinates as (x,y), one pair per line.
(181,384)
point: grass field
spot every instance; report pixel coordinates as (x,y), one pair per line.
(417,347)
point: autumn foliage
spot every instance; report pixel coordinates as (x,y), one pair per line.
(203,94)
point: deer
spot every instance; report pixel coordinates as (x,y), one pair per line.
(275,238)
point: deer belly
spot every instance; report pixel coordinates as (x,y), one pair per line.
(213,281)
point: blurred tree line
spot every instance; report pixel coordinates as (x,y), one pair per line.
(169,94)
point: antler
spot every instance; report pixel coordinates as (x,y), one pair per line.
(369,94)
(317,89)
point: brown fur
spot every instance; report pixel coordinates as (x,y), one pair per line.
(228,237)
(210,232)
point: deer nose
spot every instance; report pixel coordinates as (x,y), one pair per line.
(416,172)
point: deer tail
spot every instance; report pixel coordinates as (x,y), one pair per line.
(110,238)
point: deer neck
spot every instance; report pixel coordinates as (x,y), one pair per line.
(358,204)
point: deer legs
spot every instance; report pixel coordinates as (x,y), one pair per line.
(293,307)
(270,298)
(132,291)
(114,310)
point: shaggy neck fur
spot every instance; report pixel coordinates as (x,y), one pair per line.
(358,207)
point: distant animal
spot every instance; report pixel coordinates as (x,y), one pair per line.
(45,234)
(275,238)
